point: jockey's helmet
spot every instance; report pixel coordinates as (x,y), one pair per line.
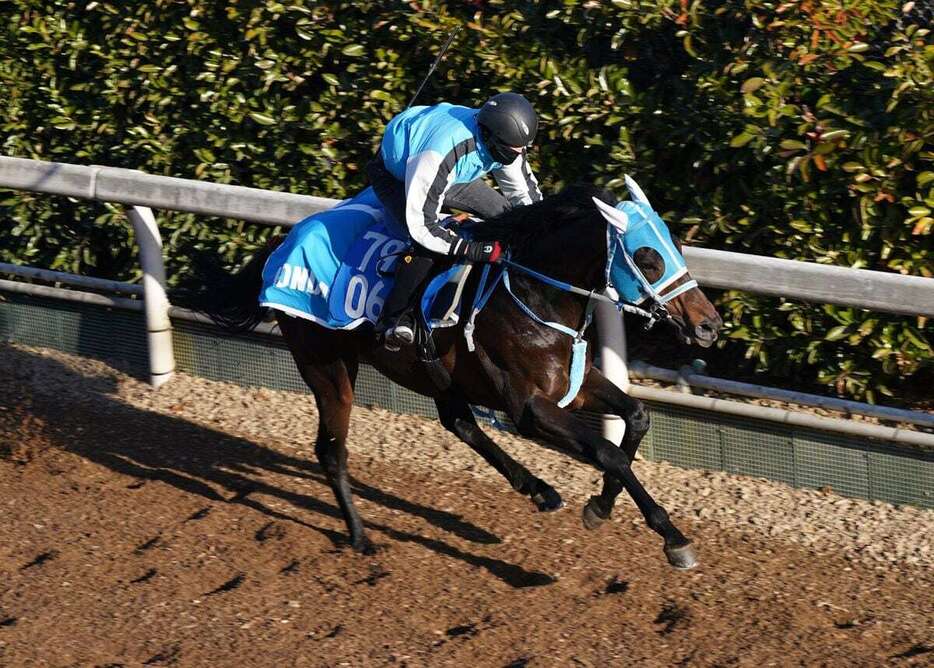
(508,124)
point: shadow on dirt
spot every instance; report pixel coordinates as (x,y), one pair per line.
(85,419)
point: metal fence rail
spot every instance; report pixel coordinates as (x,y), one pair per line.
(875,290)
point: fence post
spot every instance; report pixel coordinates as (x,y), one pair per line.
(612,338)
(158,325)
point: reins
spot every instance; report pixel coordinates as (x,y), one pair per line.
(567,287)
(579,345)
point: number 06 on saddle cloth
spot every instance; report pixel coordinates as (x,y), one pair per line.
(335,267)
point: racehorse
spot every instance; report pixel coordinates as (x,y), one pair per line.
(520,363)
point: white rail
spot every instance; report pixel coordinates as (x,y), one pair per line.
(135,188)
(820,283)
(70,279)
(875,290)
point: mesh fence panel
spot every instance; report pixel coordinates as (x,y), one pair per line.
(827,460)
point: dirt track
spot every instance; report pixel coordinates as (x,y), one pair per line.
(179,528)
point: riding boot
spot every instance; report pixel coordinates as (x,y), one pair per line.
(396,320)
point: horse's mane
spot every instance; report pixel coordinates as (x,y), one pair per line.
(572,207)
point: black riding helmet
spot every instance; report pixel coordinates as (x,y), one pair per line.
(508,124)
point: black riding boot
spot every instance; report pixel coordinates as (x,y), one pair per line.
(396,319)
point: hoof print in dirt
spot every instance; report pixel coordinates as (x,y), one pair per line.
(289,568)
(148,575)
(270,530)
(40,559)
(164,657)
(333,633)
(672,616)
(148,545)
(521,662)
(466,630)
(373,578)
(230,585)
(616,586)
(198,514)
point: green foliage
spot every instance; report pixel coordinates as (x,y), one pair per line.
(798,129)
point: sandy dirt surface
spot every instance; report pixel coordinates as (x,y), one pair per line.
(191,527)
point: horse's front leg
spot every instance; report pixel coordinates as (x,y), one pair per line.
(600,395)
(540,417)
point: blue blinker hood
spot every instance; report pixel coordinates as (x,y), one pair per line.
(633,225)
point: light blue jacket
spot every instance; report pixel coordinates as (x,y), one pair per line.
(432,148)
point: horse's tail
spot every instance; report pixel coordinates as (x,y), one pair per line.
(231,300)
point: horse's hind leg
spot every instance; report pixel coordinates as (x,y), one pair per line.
(457,418)
(331,379)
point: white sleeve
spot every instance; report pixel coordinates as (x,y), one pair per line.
(427,178)
(517,182)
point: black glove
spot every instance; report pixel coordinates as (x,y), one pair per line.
(478,251)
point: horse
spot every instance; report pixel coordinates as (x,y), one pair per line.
(519,364)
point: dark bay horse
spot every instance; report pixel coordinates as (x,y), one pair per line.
(518,366)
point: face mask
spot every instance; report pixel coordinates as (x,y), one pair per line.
(502,154)
(498,151)
(645,230)
(634,225)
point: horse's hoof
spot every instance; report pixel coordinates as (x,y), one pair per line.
(591,518)
(366,548)
(547,500)
(683,557)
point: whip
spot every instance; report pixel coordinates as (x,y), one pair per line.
(434,65)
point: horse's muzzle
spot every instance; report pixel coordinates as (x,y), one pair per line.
(705,333)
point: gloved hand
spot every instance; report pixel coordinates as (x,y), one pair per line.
(480,251)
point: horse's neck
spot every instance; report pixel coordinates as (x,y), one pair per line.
(569,258)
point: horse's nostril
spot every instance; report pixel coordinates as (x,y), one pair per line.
(706,330)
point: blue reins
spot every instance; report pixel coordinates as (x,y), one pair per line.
(579,345)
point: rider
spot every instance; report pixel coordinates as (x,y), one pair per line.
(435,156)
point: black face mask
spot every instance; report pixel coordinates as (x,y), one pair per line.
(503,154)
(499,151)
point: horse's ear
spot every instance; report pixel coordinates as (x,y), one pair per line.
(636,192)
(614,216)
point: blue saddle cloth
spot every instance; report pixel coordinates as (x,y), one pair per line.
(336,267)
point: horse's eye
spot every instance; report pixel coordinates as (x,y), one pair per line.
(650,262)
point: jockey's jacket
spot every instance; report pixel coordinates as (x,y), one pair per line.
(431,148)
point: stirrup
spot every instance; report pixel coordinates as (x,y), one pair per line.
(398,336)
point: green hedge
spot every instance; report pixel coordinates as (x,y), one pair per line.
(796,129)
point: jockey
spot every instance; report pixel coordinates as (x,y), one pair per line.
(434,157)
